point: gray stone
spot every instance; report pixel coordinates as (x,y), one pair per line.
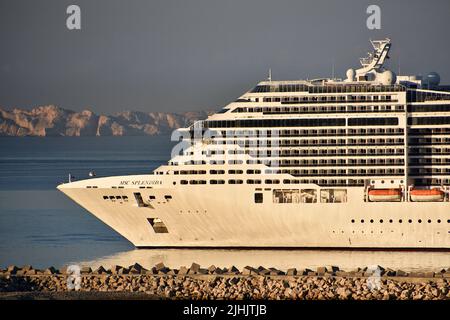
(291,272)
(211,269)
(195,267)
(202,271)
(183,271)
(50,270)
(160,266)
(86,270)
(233,270)
(31,272)
(218,271)
(136,268)
(248,271)
(305,271)
(101,270)
(12,269)
(401,273)
(332,269)
(321,271)
(116,269)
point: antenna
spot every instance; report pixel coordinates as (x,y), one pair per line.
(332,70)
(270,75)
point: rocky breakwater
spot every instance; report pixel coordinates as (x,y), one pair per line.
(196,282)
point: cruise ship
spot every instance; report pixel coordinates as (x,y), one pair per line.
(356,163)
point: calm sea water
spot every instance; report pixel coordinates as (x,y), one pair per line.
(42,227)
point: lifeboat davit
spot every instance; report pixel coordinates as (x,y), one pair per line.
(423,195)
(385,195)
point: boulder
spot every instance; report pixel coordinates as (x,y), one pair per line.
(115,269)
(86,270)
(401,273)
(233,270)
(160,266)
(27,267)
(248,271)
(137,268)
(195,267)
(321,271)
(50,270)
(211,269)
(218,271)
(291,272)
(332,269)
(12,269)
(183,271)
(101,270)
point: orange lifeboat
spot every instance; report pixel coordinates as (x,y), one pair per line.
(423,195)
(385,195)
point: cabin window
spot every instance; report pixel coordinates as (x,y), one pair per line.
(258,197)
(333,195)
(286,196)
(308,196)
(157,225)
(139,200)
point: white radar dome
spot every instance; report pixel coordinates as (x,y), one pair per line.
(351,74)
(433,78)
(386,77)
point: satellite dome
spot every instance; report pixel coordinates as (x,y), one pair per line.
(351,74)
(386,77)
(433,78)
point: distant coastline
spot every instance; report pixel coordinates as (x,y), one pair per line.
(53,121)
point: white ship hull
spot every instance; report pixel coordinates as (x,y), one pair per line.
(324,163)
(226,216)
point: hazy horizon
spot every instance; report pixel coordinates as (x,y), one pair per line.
(171,56)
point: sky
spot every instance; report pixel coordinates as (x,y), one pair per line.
(167,55)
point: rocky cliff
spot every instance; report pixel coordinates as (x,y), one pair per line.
(54,121)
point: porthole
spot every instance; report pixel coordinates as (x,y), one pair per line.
(392,181)
(371,220)
(448,221)
(420,221)
(362,220)
(381,220)
(410,221)
(382,181)
(353,220)
(439,221)
(400,221)
(390,221)
(429,220)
